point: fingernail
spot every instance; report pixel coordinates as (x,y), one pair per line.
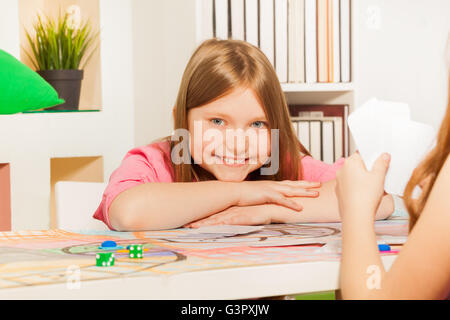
(386,156)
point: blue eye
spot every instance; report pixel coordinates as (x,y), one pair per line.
(258,124)
(218,122)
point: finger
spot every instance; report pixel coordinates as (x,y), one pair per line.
(356,160)
(299,192)
(381,165)
(301,183)
(206,222)
(286,202)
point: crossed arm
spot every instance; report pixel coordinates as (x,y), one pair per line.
(323,208)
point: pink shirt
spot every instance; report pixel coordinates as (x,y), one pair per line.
(151,163)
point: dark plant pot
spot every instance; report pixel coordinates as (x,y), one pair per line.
(68,85)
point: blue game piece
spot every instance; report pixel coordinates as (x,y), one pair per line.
(384,247)
(109,244)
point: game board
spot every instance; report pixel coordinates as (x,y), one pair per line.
(45,257)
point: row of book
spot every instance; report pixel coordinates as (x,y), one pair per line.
(305,40)
(322,130)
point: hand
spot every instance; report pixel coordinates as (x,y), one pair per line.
(234,216)
(251,215)
(358,190)
(275,192)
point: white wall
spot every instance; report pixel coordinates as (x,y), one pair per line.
(400,55)
(9,27)
(163,41)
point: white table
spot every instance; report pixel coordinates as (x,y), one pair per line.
(233,283)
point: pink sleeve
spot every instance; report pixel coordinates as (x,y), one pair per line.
(139,166)
(315,170)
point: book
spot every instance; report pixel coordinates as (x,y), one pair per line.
(328,111)
(237,19)
(331,137)
(303,133)
(336,47)
(292,36)
(296,44)
(281,43)
(330,40)
(322,41)
(328,142)
(345,23)
(300,42)
(338,138)
(251,22)
(221,18)
(205,20)
(315,138)
(266,29)
(310,41)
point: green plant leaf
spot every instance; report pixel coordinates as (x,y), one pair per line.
(57,46)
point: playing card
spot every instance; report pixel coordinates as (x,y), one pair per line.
(382,126)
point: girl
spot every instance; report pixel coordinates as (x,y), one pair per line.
(422,269)
(228,85)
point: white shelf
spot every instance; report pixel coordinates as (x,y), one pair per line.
(317,87)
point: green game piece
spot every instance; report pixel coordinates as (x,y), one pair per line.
(135,251)
(104,259)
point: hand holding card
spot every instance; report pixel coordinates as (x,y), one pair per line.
(381,126)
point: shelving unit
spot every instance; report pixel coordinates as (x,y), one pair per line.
(41,148)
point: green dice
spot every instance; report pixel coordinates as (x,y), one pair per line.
(135,251)
(104,259)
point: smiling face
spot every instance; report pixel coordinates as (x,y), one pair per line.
(230,137)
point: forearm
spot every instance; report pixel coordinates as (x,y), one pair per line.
(325,207)
(154,206)
(361,270)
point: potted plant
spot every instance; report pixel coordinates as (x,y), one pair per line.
(60,53)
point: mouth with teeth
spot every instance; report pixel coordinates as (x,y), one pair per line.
(233,162)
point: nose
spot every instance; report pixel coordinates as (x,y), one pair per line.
(237,143)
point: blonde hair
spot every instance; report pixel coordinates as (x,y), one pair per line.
(216,68)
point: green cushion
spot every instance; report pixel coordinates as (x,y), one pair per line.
(22,89)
